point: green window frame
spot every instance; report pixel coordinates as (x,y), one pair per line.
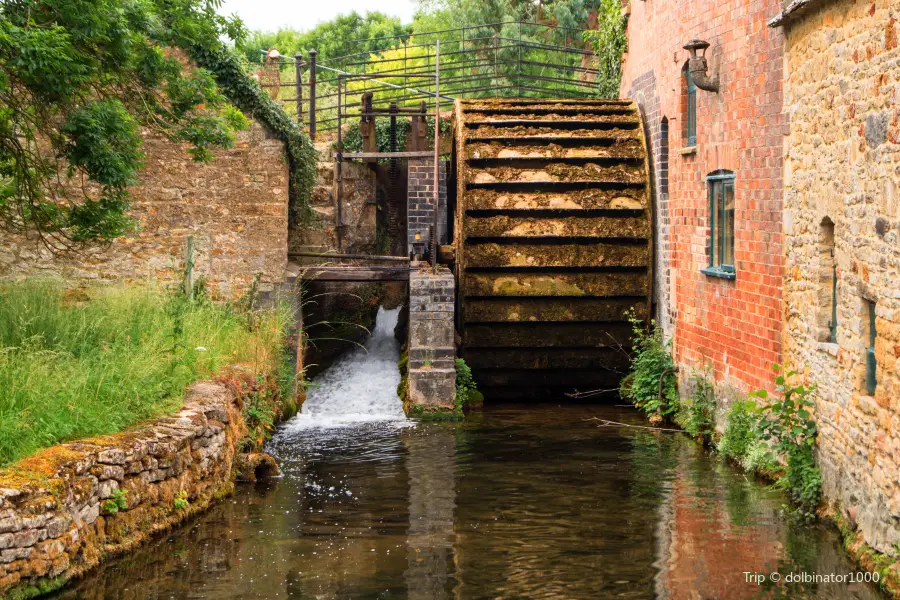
(721,224)
(871,361)
(691,120)
(832,324)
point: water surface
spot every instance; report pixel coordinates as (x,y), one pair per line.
(530,501)
(517,502)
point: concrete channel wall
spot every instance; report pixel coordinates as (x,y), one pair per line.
(69,507)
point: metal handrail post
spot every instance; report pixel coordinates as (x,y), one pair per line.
(437,136)
(312,94)
(298,69)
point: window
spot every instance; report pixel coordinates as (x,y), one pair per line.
(871,362)
(721,225)
(691,110)
(664,157)
(827,280)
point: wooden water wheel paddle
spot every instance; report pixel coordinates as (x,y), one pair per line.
(553,230)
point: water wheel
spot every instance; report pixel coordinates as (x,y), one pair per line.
(553,228)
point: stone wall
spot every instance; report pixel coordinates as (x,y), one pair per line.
(432,340)
(733,326)
(420,205)
(842,169)
(56,507)
(235,208)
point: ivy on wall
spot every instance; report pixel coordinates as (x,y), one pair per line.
(247,95)
(610,41)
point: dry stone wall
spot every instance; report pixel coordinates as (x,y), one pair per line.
(842,170)
(56,507)
(235,208)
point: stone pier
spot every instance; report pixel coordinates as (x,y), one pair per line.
(432,348)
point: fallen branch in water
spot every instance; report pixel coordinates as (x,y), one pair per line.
(608,423)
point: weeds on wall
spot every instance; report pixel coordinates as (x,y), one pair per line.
(260,413)
(466,389)
(761,437)
(740,431)
(117,501)
(696,415)
(786,423)
(651,363)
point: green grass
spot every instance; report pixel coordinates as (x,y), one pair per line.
(76,364)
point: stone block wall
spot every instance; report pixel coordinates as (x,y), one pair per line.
(55,522)
(432,340)
(733,326)
(420,204)
(358,208)
(235,208)
(842,172)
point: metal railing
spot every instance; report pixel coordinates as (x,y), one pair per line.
(508,59)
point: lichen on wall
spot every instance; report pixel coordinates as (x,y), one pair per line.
(69,507)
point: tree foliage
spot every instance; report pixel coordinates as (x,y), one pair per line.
(332,38)
(79,79)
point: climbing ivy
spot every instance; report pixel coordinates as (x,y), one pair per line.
(247,95)
(610,42)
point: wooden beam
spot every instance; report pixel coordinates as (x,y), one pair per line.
(356,274)
(349,155)
(404,259)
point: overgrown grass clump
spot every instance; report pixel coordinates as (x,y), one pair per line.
(76,364)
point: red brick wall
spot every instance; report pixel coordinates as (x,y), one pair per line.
(735,326)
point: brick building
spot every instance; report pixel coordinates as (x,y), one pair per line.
(717,171)
(842,240)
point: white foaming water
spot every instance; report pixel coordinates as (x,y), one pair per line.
(360,387)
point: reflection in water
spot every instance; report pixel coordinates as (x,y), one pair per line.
(519,502)
(431,466)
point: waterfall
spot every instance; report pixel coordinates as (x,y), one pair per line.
(360,387)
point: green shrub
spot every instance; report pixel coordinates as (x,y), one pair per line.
(651,360)
(181,501)
(75,364)
(787,424)
(802,479)
(697,414)
(466,389)
(740,431)
(758,457)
